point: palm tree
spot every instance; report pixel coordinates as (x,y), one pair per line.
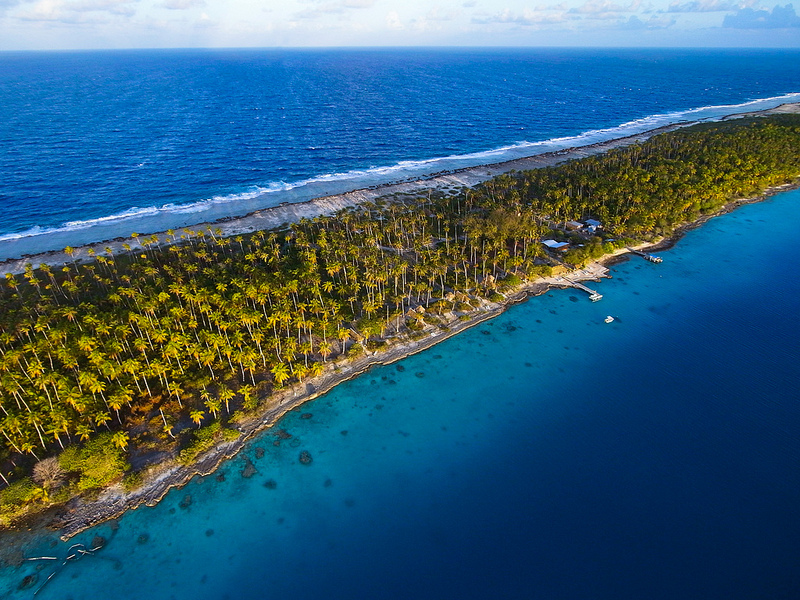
(225,395)
(343,334)
(249,399)
(325,350)
(121,439)
(197,417)
(101,418)
(280,373)
(317,369)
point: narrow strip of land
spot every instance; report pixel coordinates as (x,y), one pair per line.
(271,218)
(80,513)
(279,216)
(114,501)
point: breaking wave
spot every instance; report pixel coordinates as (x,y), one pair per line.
(144,219)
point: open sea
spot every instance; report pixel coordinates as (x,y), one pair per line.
(97,145)
(542,455)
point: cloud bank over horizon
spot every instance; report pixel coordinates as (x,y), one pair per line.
(781,17)
(87,24)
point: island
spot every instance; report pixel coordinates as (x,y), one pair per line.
(129,367)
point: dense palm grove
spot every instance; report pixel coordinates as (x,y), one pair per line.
(672,178)
(170,337)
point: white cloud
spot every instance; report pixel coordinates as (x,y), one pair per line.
(701,6)
(46,10)
(111,6)
(594,7)
(78,12)
(393,21)
(525,18)
(116,7)
(205,22)
(182,4)
(634,23)
(164,23)
(339,7)
(781,17)
(441,14)
(434,19)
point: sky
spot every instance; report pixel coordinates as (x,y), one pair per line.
(95,24)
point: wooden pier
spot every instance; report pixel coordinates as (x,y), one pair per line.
(650,257)
(593,295)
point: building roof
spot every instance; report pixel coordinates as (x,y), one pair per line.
(593,222)
(554,244)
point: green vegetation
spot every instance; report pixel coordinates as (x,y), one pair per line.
(672,178)
(206,438)
(96,464)
(148,350)
(80,468)
(594,248)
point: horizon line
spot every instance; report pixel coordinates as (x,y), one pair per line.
(401,47)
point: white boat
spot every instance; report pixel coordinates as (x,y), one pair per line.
(609,319)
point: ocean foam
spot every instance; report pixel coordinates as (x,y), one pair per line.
(270,194)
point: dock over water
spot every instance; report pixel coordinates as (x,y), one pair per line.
(592,272)
(593,295)
(649,257)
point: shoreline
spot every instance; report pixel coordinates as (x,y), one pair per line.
(290,212)
(79,514)
(286,213)
(313,206)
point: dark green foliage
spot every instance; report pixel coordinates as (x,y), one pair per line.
(97,463)
(203,440)
(511,280)
(19,493)
(671,178)
(181,333)
(18,499)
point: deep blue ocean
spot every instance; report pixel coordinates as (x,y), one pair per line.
(542,455)
(95,145)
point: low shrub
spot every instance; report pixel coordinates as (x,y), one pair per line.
(98,463)
(204,439)
(19,493)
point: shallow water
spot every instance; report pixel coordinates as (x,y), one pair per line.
(543,454)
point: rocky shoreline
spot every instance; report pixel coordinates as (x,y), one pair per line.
(80,514)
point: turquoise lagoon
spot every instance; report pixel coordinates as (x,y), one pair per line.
(544,454)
